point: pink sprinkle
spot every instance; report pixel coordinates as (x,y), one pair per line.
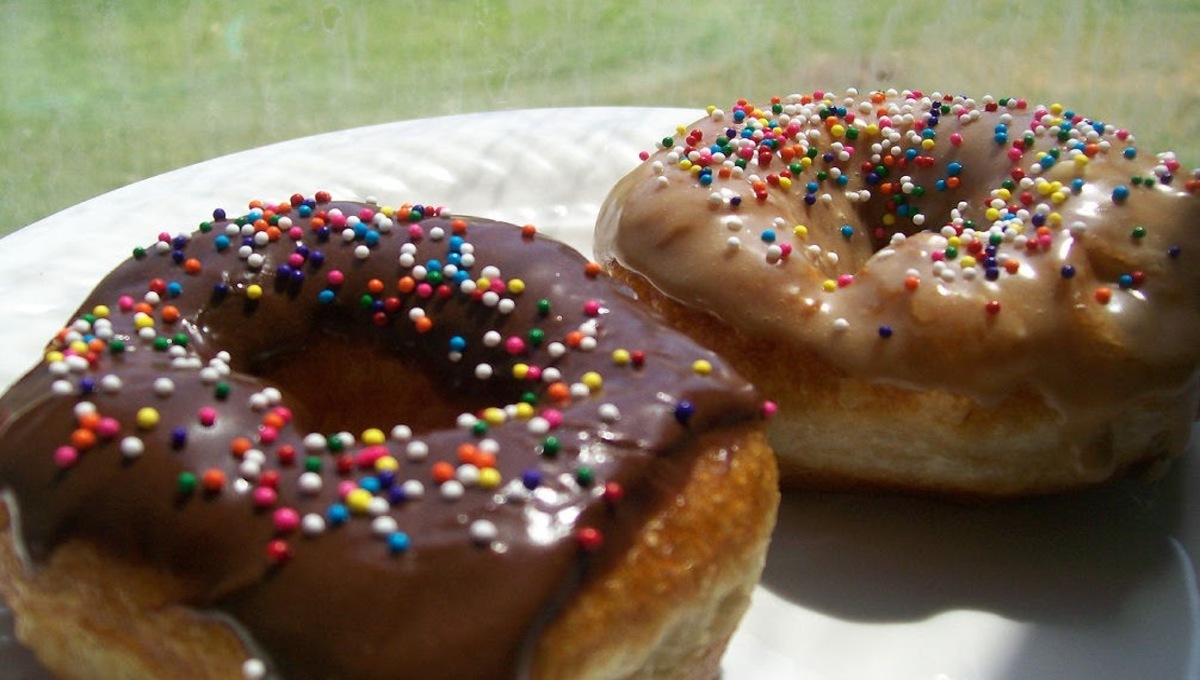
(644,155)
(295,260)
(125,303)
(956,139)
(65,456)
(785,249)
(514,345)
(264,496)
(424,290)
(337,219)
(844,280)
(415,232)
(497,286)
(335,277)
(296,233)
(284,413)
(534,373)
(286,520)
(108,428)
(344,488)
(368,456)
(1014,154)
(366,214)
(553,417)
(267,434)
(207,416)
(769,408)
(591,308)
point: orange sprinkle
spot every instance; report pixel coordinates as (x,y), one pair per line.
(375,286)
(274,419)
(143,307)
(1103,295)
(255,204)
(406,284)
(558,391)
(274,233)
(528,231)
(953,182)
(1011,265)
(88,421)
(468,453)
(485,460)
(574,339)
(458,226)
(592,269)
(424,324)
(192,266)
(911,283)
(442,471)
(212,480)
(239,446)
(83,439)
(96,345)
(170,314)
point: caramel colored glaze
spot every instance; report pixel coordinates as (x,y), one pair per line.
(337,601)
(980,247)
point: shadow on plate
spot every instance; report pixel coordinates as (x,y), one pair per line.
(1063,561)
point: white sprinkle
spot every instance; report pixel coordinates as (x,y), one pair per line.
(451,490)
(466,421)
(401,433)
(163,387)
(384,526)
(413,489)
(840,324)
(416,451)
(314,442)
(483,371)
(312,524)
(362,252)
(254,669)
(111,383)
(609,413)
(310,483)
(492,339)
(132,447)
(483,531)
(467,474)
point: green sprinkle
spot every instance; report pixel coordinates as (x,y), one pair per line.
(186,482)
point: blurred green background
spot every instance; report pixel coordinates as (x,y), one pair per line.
(96,95)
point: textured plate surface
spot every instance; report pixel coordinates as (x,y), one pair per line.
(1098,585)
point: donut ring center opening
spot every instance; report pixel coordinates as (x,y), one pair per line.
(339,381)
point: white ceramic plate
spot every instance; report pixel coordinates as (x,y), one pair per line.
(1100,585)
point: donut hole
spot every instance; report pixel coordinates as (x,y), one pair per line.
(337,382)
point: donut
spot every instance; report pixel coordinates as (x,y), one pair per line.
(326,439)
(943,295)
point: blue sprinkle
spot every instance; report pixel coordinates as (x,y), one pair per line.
(1120,193)
(954,169)
(847,231)
(371,484)
(1130,152)
(684,412)
(885,332)
(1067,272)
(768,236)
(174,289)
(1077,185)
(398,542)
(221,242)
(178,437)
(305,210)
(326,296)
(337,514)
(1125,281)
(458,343)
(532,479)
(218,214)
(316,259)
(372,238)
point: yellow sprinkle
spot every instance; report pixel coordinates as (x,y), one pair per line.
(516,286)
(695,170)
(79,346)
(53,356)
(967,261)
(829,285)
(621,357)
(1082,160)
(593,380)
(805,161)
(1056,109)
(387,464)
(992,214)
(954,241)
(1058,197)
(142,320)
(800,230)
(1055,219)
(525,411)
(785,182)
(483,283)
(387,210)
(490,478)
(373,436)
(685,164)
(100,311)
(358,501)
(889,219)
(928,144)
(520,371)
(680,129)
(871,129)
(494,415)
(1003,193)
(837,130)
(710,108)
(702,367)
(254,291)
(147,418)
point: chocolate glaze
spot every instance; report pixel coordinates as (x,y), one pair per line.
(342,604)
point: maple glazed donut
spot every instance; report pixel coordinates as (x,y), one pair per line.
(942,294)
(331,439)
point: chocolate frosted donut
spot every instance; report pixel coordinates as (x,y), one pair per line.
(944,294)
(339,440)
